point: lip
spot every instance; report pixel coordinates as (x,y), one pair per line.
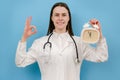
(60,23)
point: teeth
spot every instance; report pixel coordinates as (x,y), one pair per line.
(60,23)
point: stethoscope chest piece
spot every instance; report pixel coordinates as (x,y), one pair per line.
(77,60)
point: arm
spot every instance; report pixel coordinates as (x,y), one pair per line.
(100,53)
(24,58)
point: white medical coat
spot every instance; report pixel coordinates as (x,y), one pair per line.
(58,63)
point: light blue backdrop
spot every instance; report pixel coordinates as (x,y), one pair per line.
(13,14)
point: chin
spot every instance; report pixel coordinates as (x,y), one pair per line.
(61,28)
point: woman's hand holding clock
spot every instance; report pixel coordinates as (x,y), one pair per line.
(96,24)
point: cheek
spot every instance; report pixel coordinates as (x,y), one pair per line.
(52,19)
(67,19)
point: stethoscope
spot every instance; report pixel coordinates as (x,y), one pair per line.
(50,45)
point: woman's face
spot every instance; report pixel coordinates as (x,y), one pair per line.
(60,18)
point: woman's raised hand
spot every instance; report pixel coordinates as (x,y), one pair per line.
(96,23)
(29,29)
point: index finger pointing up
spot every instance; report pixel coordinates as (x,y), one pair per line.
(28,21)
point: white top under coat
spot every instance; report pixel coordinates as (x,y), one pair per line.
(59,62)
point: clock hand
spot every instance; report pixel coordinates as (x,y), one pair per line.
(89,34)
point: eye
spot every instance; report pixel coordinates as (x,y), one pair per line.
(64,14)
(56,14)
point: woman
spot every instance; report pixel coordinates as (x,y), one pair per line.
(60,53)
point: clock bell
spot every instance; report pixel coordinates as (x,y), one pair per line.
(90,34)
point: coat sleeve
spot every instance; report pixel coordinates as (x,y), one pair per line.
(96,54)
(24,57)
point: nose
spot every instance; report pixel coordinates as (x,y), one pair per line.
(60,17)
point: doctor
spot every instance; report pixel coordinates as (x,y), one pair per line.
(60,53)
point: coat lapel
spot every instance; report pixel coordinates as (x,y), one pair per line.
(66,42)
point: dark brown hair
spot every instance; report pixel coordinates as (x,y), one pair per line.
(69,25)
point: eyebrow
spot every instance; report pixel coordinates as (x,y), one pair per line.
(60,13)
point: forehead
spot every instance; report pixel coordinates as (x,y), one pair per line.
(60,9)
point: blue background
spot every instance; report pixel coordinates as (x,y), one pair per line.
(13,14)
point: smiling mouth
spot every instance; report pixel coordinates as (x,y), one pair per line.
(60,23)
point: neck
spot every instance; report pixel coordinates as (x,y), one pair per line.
(60,31)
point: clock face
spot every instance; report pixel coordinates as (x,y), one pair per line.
(90,35)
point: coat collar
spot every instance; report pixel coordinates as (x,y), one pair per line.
(64,36)
(66,41)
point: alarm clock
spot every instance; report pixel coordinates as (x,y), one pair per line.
(90,34)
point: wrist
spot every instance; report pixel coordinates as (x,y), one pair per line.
(23,39)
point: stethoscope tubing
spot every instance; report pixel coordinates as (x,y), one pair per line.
(50,44)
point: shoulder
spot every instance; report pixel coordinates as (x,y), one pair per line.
(77,38)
